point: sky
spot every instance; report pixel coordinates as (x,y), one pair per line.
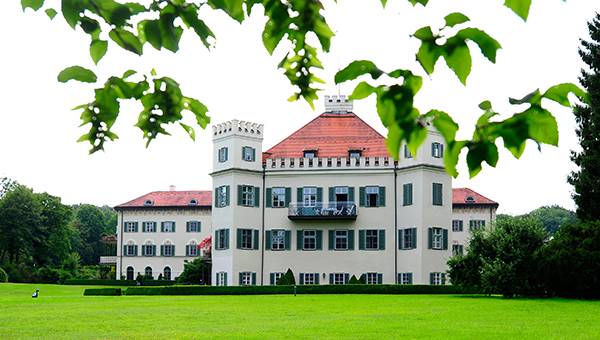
(239,79)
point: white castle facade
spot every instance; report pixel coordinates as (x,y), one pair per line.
(327,202)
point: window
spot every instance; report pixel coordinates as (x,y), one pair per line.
(278,197)
(221,239)
(309,240)
(148,227)
(437,278)
(245,279)
(437,150)
(309,278)
(131,227)
(148,272)
(372,198)
(221,279)
(408,238)
(167,273)
(247,195)
(148,249)
(130,273)
(476,224)
(309,196)
(407,191)
(275,277)
(373,278)
(193,226)
(130,249)
(457,225)
(310,154)
(168,250)
(405,278)
(340,240)
(371,239)
(339,278)
(245,240)
(248,154)
(223,155)
(168,227)
(222,196)
(354,153)
(193,201)
(277,239)
(192,249)
(407,153)
(436,238)
(437,193)
(457,249)
(148,203)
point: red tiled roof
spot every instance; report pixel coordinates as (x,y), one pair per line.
(460,195)
(170,199)
(332,135)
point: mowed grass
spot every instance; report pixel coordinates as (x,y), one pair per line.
(63,312)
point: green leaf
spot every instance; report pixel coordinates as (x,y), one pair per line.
(520,7)
(455,18)
(485,105)
(199,110)
(480,152)
(233,8)
(415,2)
(191,19)
(357,68)
(77,73)
(71,10)
(324,34)
(428,55)
(149,30)
(169,34)
(534,97)
(444,124)
(119,15)
(424,34)
(33,4)
(190,130)
(560,93)
(126,40)
(128,74)
(542,125)
(98,50)
(362,90)
(488,45)
(458,59)
(51,13)
(451,155)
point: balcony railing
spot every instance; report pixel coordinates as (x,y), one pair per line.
(322,211)
(108,259)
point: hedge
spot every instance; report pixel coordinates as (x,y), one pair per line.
(3,276)
(302,289)
(118,282)
(102,292)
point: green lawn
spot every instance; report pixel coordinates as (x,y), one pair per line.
(63,312)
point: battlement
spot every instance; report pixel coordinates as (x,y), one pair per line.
(328,162)
(338,104)
(238,127)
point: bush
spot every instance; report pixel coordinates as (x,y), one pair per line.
(354,280)
(3,276)
(287,279)
(18,272)
(46,275)
(303,289)
(194,272)
(102,292)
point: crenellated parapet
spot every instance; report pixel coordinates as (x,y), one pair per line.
(238,128)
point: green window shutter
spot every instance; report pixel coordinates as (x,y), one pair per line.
(404,195)
(268,240)
(361,199)
(136,227)
(125,250)
(382,196)
(269,198)
(443,278)
(299,240)
(256,196)
(410,278)
(319,239)
(361,239)
(319,197)
(400,239)
(225,278)
(301,278)
(216,199)
(399,279)
(238,239)
(226,238)
(331,239)
(441,150)
(351,194)
(162,250)
(162,227)
(154,250)
(445,239)
(174,226)
(432,149)
(135,250)
(254,279)
(346,278)
(240,278)
(379,279)
(187,227)
(429,238)
(239,195)
(316,278)
(227,195)
(414,238)
(381,240)
(272,278)
(330,278)
(288,196)
(299,196)
(430,278)
(255,239)
(331,194)
(288,239)
(350,239)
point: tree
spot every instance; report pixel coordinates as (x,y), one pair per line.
(553,217)
(586,180)
(6,185)
(194,272)
(91,222)
(292,25)
(20,212)
(504,260)
(52,237)
(287,279)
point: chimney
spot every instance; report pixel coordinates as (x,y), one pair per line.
(338,104)
(172,187)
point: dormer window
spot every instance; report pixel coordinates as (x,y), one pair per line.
(354,153)
(310,154)
(148,203)
(470,199)
(193,201)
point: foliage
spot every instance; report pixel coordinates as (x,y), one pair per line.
(586,180)
(571,262)
(502,261)
(6,185)
(354,281)
(102,292)
(131,26)
(194,272)
(553,217)
(91,223)
(287,279)
(46,275)
(3,276)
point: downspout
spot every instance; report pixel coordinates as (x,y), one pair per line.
(395,223)
(121,248)
(262,248)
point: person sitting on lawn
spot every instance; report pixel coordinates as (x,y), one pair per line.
(35,295)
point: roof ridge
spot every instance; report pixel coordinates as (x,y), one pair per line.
(293,133)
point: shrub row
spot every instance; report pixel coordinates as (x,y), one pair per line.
(102,292)
(303,289)
(118,282)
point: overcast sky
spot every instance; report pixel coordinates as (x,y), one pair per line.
(238,79)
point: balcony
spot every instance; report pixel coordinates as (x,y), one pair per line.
(108,259)
(323,211)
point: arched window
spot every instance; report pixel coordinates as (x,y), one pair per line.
(167,273)
(191,249)
(148,272)
(130,273)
